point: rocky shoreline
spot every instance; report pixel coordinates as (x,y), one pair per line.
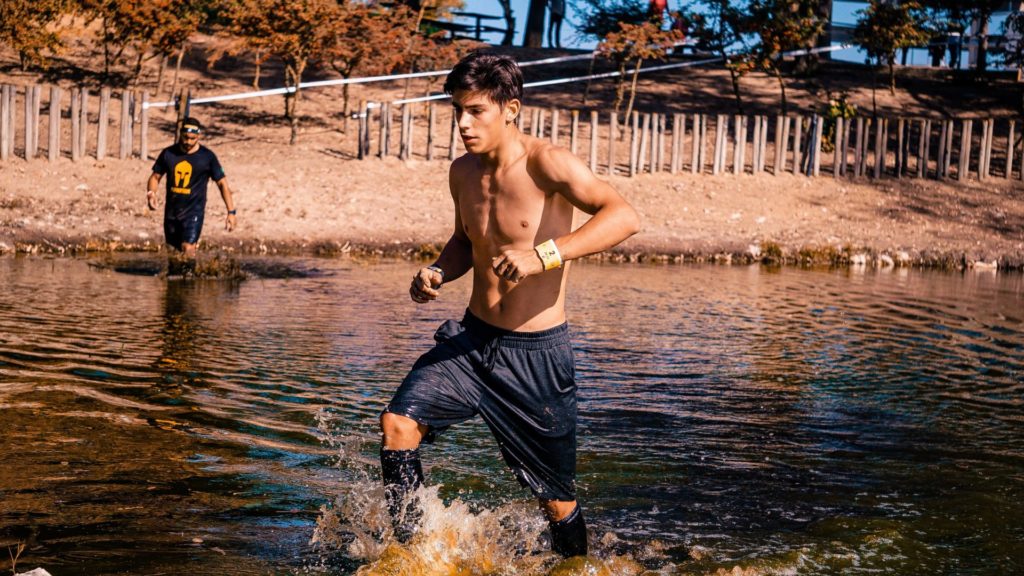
(768,253)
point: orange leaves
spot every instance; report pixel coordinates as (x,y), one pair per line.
(643,41)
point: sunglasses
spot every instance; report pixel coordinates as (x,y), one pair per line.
(191,130)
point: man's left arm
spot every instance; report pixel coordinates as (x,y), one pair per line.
(229,203)
(612,220)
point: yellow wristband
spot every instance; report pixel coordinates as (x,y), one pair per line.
(549,255)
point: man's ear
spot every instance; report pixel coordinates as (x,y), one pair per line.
(512,110)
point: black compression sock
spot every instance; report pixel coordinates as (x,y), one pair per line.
(402,475)
(569,535)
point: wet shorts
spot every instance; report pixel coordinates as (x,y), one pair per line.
(522,384)
(183,231)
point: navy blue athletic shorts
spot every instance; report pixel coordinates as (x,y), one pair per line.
(522,384)
(183,231)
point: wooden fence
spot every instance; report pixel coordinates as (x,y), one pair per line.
(75,126)
(806,144)
(810,145)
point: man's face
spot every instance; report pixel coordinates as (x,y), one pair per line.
(481,121)
(188,139)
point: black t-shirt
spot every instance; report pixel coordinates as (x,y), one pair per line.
(187,176)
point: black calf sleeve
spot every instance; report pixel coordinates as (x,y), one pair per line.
(569,535)
(402,475)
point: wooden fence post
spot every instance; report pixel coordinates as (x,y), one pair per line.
(965,150)
(901,162)
(645,127)
(593,141)
(455,131)
(677,140)
(941,164)
(818,129)
(382,131)
(634,142)
(101,130)
(430,131)
(126,126)
(988,133)
(574,128)
(780,144)
(5,119)
(53,145)
(28,123)
(922,159)
(697,141)
(1009,149)
(76,124)
(837,149)
(659,157)
(847,125)
(554,126)
(362,126)
(756,150)
(652,161)
(740,156)
(858,148)
(144,127)
(763,158)
(613,135)
(83,135)
(881,148)
(798,147)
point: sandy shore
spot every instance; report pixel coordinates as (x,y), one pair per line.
(301,200)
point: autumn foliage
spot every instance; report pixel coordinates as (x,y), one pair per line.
(631,45)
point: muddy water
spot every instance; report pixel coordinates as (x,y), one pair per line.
(779,421)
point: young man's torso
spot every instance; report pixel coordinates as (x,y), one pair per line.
(187,177)
(506,208)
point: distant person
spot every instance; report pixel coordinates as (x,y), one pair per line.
(557,14)
(509,360)
(656,10)
(190,166)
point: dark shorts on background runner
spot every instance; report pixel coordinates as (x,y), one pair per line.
(184,231)
(522,384)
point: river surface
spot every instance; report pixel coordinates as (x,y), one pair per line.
(782,421)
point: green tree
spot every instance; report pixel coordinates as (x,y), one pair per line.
(296,31)
(781,26)
(718,27)
(29,27)
(633,44)
(368,41)
(884,28)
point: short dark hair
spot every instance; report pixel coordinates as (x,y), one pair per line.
(499,77)
(190,121)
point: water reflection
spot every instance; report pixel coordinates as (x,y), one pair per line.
(809,422)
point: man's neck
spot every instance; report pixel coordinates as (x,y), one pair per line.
(188,150)
(507,152)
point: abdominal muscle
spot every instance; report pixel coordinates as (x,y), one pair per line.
(535,303)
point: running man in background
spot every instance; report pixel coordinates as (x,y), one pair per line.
(557,14)
(189,166)
(509,359)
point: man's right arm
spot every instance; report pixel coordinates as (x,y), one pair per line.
(151,187)
(455,260)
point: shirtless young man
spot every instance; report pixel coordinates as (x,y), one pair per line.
(509,359)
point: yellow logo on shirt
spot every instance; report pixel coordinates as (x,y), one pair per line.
(182,177)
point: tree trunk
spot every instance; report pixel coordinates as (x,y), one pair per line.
(632,86)
(258,71)
(782,87)
(892,74)
(510,22)
(293,78)
(534,36)
(177,69)
(620,88)
(160,74)
(735,77)
(344,109)
(982,63)
(590,72)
